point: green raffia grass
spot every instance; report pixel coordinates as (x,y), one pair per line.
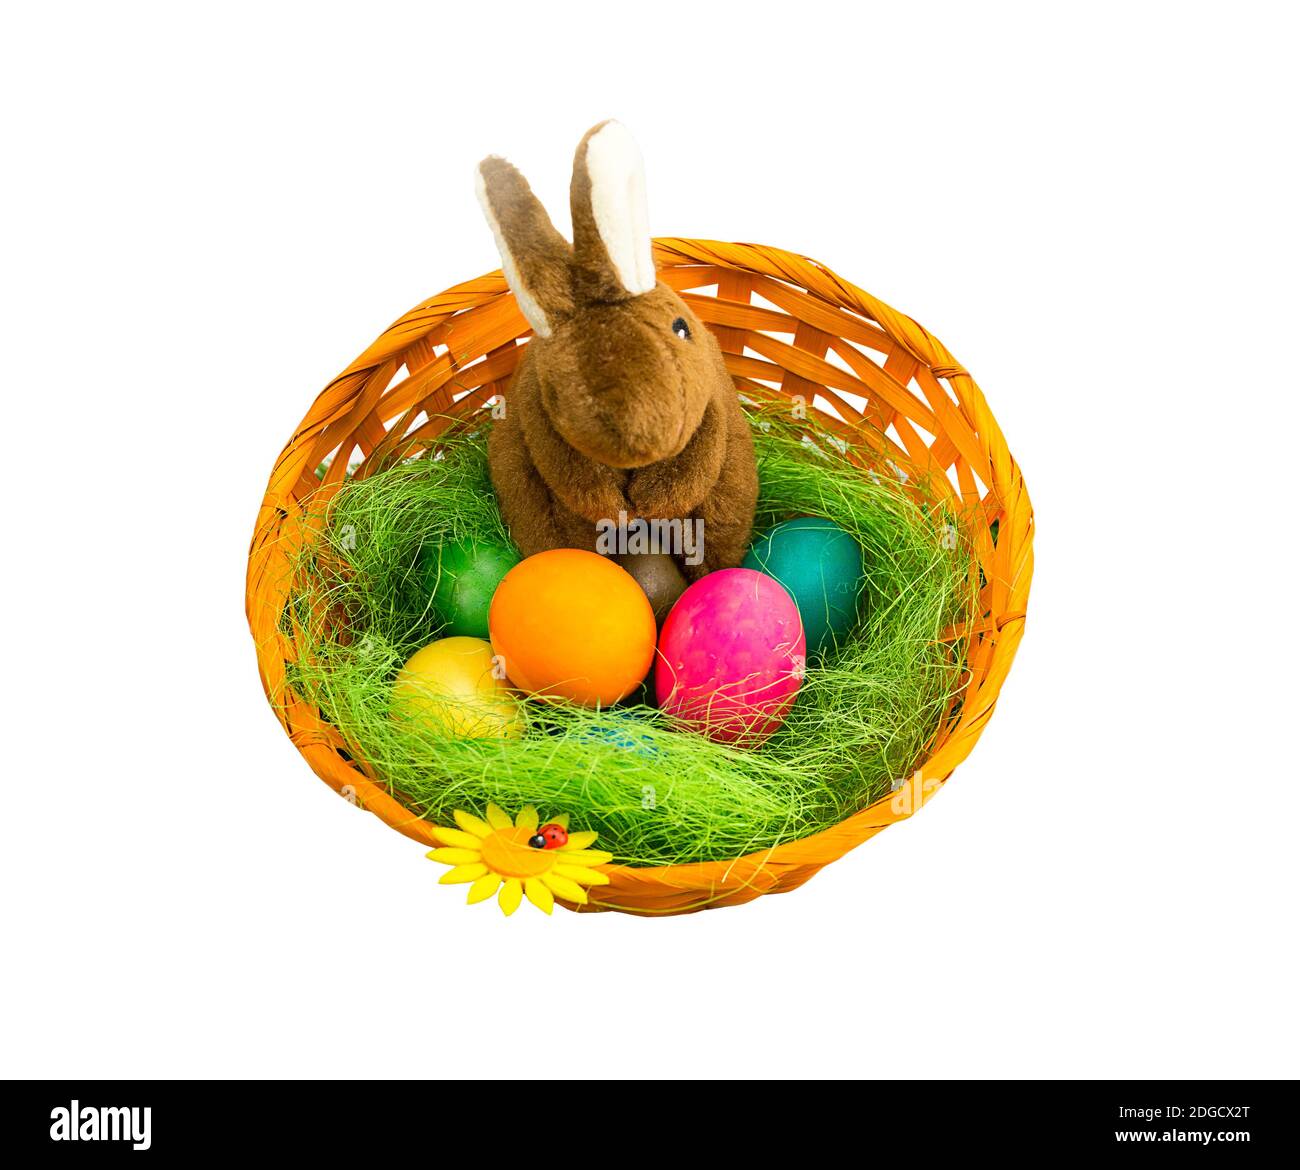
(656,795)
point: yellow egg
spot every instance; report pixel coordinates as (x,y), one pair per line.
(452,685)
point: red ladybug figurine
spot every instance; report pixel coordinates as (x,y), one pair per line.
(555,836)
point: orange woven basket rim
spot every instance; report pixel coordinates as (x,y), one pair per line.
(878,374)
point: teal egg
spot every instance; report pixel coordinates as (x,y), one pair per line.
(821,566)
(459,579)
(621,731)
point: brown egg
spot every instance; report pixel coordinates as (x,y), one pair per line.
(659,577)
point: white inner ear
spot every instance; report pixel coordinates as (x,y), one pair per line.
(618,205)
(528,305)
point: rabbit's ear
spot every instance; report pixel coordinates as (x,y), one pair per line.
(534,256)
(611,232)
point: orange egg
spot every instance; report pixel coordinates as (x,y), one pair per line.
(570,624)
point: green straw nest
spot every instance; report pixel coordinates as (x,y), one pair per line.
(657,795)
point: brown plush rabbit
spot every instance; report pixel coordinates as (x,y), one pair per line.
(621,403)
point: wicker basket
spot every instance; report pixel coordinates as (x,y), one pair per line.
(891,383)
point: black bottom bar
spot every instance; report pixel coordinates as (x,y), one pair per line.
(591,1124)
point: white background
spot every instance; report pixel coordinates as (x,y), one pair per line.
(208,216)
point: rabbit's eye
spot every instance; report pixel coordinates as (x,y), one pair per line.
(682,329)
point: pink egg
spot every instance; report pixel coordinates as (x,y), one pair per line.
(731,656)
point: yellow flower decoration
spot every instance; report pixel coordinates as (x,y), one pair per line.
(494,855)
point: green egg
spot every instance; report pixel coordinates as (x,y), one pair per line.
(820,565)
(460,578)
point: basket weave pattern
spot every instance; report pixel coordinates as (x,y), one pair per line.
(899,396)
